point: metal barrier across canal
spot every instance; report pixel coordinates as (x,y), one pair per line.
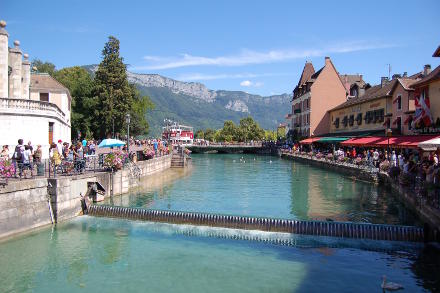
(315,228)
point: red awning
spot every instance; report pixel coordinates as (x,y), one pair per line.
(361,141)
(410,141)
(407,120)
(395,121)
(309,140)
(386,122)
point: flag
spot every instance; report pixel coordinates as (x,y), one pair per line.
(423,111)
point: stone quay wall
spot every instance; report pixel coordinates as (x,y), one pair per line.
(346,169)
(24,205)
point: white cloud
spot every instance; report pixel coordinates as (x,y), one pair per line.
(246,83)
(254,57)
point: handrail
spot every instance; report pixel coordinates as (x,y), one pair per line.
(12,103)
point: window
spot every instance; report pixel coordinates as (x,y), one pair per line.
(368,117)
(308,103)
(354,92)
(44,97)
(345,121)
(359,119)
(399,102)
(351,121)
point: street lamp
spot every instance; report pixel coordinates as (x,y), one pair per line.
(127,120)
(388,133)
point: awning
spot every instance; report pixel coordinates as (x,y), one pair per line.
(362,141)
(404,141)
(332,139)
(430,145)
(309,140)
(386,122)
(408,119)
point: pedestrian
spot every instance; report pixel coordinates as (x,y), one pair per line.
(59,146)
(394,159)
(17,158)
(4,155)
(38,154)
(27,158)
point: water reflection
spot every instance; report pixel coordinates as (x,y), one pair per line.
(266,186)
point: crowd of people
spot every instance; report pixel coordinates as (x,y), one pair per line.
(66,157)
(409,167)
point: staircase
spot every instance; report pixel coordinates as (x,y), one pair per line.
(177,160)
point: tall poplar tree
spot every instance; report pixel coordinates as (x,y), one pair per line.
(112,91)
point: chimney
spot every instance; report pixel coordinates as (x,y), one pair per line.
(327,60)
(383,81)
(14,57)
(427,69)
(360,77)
(26,77)
(396,76)
(405,74)
(4,36)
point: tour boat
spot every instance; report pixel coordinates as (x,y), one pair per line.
(177,133)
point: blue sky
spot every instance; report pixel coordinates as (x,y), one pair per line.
(255,46)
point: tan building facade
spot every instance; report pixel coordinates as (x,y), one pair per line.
(389,105)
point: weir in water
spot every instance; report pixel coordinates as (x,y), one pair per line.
(315,228)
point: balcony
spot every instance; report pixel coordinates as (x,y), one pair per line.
(31,107)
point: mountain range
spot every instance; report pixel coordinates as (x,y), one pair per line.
(192,103)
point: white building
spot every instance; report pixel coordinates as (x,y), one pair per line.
(33,107)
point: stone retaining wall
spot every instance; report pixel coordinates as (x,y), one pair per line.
(346,169)
(24,205)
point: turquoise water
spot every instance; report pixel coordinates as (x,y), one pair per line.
(267,186)
(106,255)
(90,254)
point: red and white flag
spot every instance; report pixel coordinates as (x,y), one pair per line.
(423,111)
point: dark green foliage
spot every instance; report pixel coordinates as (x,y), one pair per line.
(43,67)
(114,94)
(200,134)
(246,131)
(116,97)
(80,85)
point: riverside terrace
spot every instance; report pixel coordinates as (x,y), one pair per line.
(414,187)
(98,161)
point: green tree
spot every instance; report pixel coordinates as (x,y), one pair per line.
(270,135)
(141,104)
(209,134)
(250,130)
(200,134)
(116,97)
(43,67)
(229,132)
(281,132)
(80,86)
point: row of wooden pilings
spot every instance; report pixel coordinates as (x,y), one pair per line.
(316,228)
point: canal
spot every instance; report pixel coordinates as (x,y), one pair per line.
(112,255)
(267,186)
